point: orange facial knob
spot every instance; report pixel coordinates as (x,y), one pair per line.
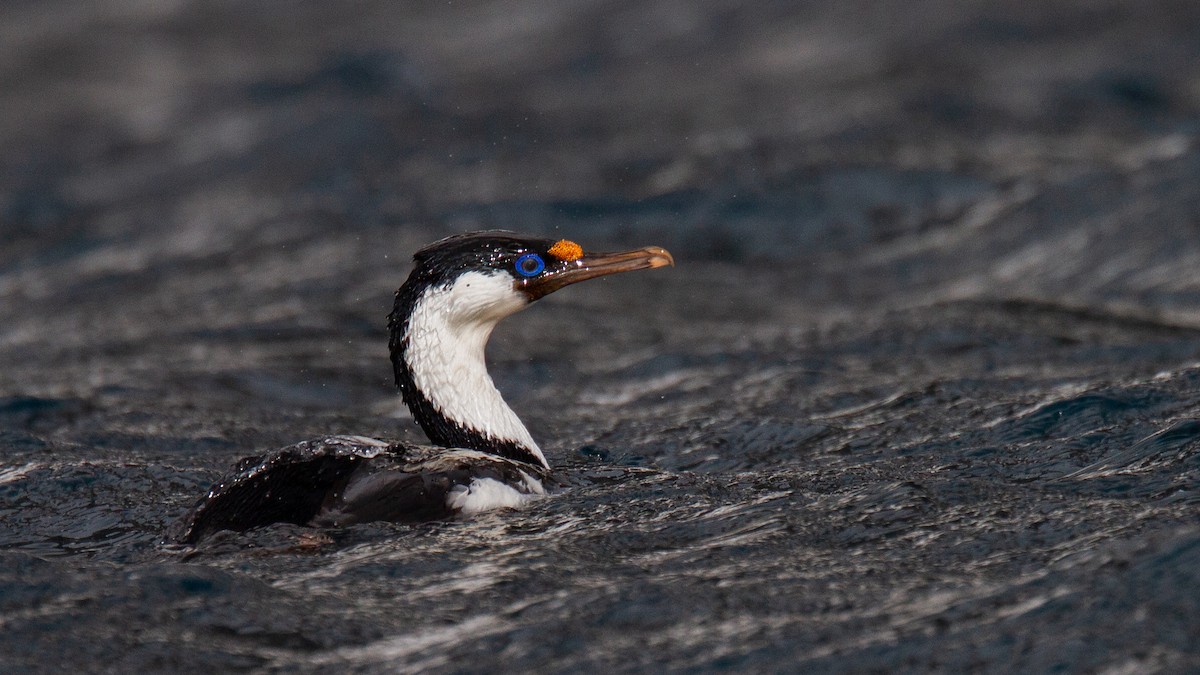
(567,251)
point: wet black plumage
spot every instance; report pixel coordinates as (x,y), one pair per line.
(343,480)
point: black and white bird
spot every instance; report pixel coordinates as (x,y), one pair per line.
(483,457)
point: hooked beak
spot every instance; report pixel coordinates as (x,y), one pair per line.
(595,265)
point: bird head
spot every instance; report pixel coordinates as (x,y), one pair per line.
(459,289)
(521,268)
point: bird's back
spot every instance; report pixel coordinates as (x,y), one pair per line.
(342,480)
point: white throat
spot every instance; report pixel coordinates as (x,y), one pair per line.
(448,332)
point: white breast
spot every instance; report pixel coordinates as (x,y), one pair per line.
(447,333)
(487,494)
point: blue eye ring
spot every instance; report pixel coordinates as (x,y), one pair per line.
(530,265)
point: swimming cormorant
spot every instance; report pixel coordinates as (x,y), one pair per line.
(483,457)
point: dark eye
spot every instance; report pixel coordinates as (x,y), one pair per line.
(530,265)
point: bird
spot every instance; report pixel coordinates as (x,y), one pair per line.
(482,458)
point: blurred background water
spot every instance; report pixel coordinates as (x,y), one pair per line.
(923,392)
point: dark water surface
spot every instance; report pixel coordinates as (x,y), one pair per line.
(923,392)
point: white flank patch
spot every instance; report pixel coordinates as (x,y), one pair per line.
(487,494)
(447,333)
